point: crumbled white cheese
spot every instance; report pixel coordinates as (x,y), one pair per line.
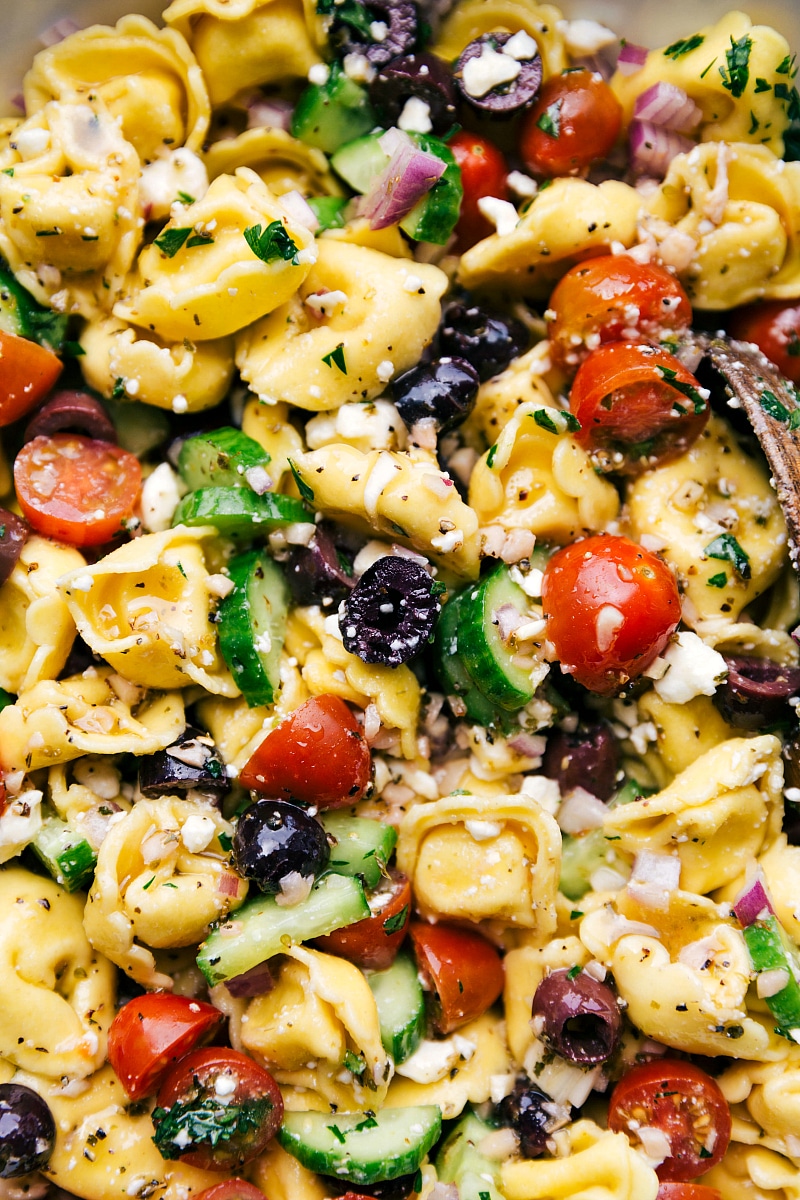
(608,620)
(82,583)
(385,370)
(416,116)
(482,831)
(326,304)
(412,283)
(432,1060)
(98,776)
(584,37)
(179,403)
(529,581)
(522,184)
(224,1085)
(30,143)
(20,823)
(488,70)
(358,68)
(694,669)
(306,257)
(196,832)
(521,47)
(161,181)
(319,74)
(160,498)
(445,543)
(501,213)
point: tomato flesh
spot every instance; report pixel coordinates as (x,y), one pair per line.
(232,1189)
(317,756)
(683,1102)
(687,1191)
(373,943)
(638,407)
(613,298)
(774,326)
(77,489)
(611,608)
(153,1031)
(463,968)
(574,122)
(239,1102)
(483,173)
(27,373)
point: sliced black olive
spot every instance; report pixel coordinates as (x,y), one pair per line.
(580,1016)
(27,1131)
(192,763)
(420,76)
(320,571)
(756,692)
(13,536)
(587,758)
(73,412)
(391,612)
(353,29)
(488,340)
(274,839)
(400,1188)
(525,1112)
(505,99)
(443,389)
(791,766)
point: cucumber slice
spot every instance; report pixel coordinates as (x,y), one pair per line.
(329,211)
(360,161)
(140,427)
(220,458)
(485,656)
(261,928)
(363,847)
(401,1007)
(20,314)
(237,512)
(65,853)
(451,670)
(581,857)
(769,950)
(252,625)
(362,1149)
(434,217)
(329,114)
(459,1161)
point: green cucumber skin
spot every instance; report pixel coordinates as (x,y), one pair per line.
(360,161)
(261,928)
(219,458)
(328,115)
(238,512)
(401,1007)
(65,853)
(487,661)
(434,217)
(766,945)
(452,671)
(21,315)
(459,1161)
(140,427)
(329,211)
(256,608)
(363,847)
(581,857)
(385,1151)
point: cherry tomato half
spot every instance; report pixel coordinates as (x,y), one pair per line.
(153,1031)
(77,489)
(232,1189)
(774,326)
(27,372)
(483,173)
(611,607)
(638,407)
(463,968)
(317,756)
(614,298)
(373,943)
(575,121)
(216,1110)
(684,1103)
(687,1191)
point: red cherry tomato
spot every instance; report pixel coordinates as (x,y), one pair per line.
(684,1103)
(614,298)
(317,755)
(77,489)
(575,121)
(27,372)
(214,1083)
(483,173)
(774,326)
(232,1189)
(153,1031)
(638,407)
(464,969)
(611,608)
(355,1196)
(687,1191)
(373,943)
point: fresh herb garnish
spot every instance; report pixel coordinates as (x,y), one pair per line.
(575,913)
(735,78)
(573,971)
(717,581)
(683,46)
(348,12)
(356,1065)
(395,924)
(786,66)
(337,1133)
(550,419)
(204,1120)
(336,358)
(762,85)
(755,124)
(726,547)
(775,408)
(185,198)
(172,240)
(225,841)
(438,588)
(8,171)
(199,239)
(272,243)
(708,68)
(686,389)
(149,883)
(305,491)
(369,1122)
(118,391)
(490,456)
(550,120)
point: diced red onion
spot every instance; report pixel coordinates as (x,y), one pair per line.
(300,210)
(531,745)
(97,820)
(668,106)
(751,902)
(652,148)
(507,618)
(228,885)
(256,982)
(274,113)
(59,30)
(631,58)
(443,1191)
(18,101)
(654,878)
(409,175)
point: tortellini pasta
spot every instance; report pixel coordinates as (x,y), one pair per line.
(684,732)
(387,312)
(281,1177)
(145,609)
(767,1100)
(601,1165)
(508,847)
(469,20)
(144,75)
(270,426)
(58,991)
(151,890)
(36,628)
(753,1173)
(522,382)
(283,162)
(537,477)
(214,283)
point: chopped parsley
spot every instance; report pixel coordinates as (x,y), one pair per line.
(305,491)
(185,198)
(573,971)
(348,12)
(708,68)
(337,1133)
(776,409)
(717,581)
(762,85)
(272,243)
(686,389)
(336,358)
(787,67)
(149,883)
(8,171)
(735,78)
(356,1065)
(550,120)
(199,239)
(205,1120)
(755,124)
(792,98)
(490,456)
(369,1122)
(395,924)
(684,46)
(575,914)
(726,547)
(118,391)
(225,840)
(172,240)
(566,420)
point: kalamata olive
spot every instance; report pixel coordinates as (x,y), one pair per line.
(387,1189)
(397,22)
(587,758)
(488,340)
(756,692)
(422,77)
(443,390)
(72,412)
(192,763)
(13,536)
(580,1017)
(317,572)
(390,613)
(791,774)
(523,73)
(274,839)
(523,1109)
(27,1131)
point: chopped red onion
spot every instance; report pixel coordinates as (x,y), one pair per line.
(300,210)
(631,58)
(409,175)
(256,982)
(18,101)
(443,1191)
(653,148)
(531,745)
(59,30)
(274,113)
(668,106)
(751,903)
(507,618)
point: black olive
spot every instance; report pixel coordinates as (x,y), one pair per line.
(523,1109)
(319,571)
(791,766)
(27,1131)
(192,763)
(72,410)
(351,33)
(391,612)
(386,1189)
(13,536)
(488,340)
(507,98)
(443,389)
(756,692)
(274,839)
(416,76)
(580,1016)
(587,758)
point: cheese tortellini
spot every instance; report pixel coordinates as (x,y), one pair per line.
(36,628)
(283,162)
(601,1165)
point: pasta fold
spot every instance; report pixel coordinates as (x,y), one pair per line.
(36,628)
(601,1165)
